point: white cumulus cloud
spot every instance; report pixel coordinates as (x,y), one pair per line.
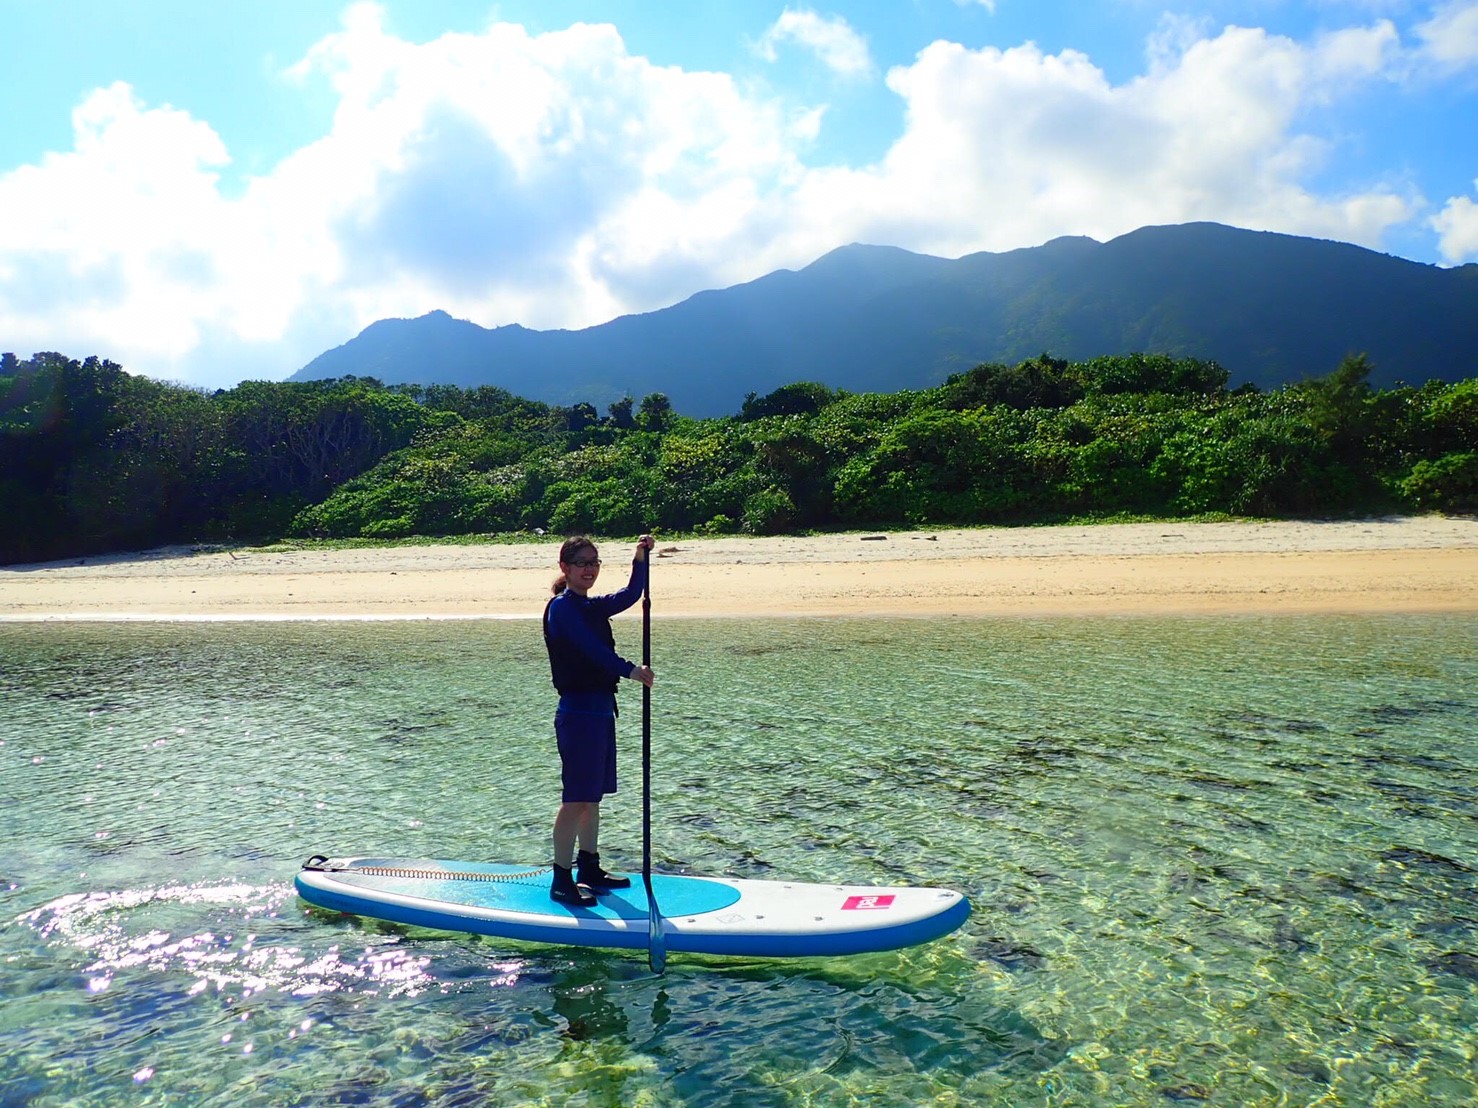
(1004,148)
(557,180)
(1457,229)
(1450,38)
(551,180)
(831,39)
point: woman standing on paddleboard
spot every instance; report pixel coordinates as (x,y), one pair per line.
(586,670)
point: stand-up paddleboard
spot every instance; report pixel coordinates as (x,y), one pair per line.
(701,915)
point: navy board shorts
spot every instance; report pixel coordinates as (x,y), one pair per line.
(585,730)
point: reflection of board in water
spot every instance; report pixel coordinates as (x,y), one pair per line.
(699,914)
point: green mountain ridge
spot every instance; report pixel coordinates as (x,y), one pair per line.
(1270,308)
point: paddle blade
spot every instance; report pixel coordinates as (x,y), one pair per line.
(656,941)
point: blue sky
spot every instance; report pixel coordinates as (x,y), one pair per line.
(214,192)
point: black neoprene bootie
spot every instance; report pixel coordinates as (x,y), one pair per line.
(566,891)
(598,879)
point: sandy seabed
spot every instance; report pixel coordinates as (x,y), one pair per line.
(1424,564)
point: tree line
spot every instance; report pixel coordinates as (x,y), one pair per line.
(93,459)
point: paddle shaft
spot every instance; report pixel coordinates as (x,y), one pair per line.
(656,948)
(646,731)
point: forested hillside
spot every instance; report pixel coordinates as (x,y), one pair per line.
(93,459)
(1273,309)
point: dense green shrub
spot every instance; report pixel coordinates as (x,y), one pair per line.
(94,459)
(769,512)
(1445,484)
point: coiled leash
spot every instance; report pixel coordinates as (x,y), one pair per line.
(321,864)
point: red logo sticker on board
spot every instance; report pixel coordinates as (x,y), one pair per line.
(860,903)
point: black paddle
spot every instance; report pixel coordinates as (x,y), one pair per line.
(656,945)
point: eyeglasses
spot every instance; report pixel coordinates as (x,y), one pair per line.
(584,563)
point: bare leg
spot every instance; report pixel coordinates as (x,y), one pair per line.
(575,820)
(570,823)
(589,831)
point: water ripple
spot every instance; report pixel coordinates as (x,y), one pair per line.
(1227,859)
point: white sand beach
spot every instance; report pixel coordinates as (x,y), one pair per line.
(1405,564)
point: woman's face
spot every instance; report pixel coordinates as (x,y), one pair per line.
(582,569)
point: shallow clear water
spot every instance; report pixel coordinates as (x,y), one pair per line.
(1228,861)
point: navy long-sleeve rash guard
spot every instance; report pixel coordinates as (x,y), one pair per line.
(584,623)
